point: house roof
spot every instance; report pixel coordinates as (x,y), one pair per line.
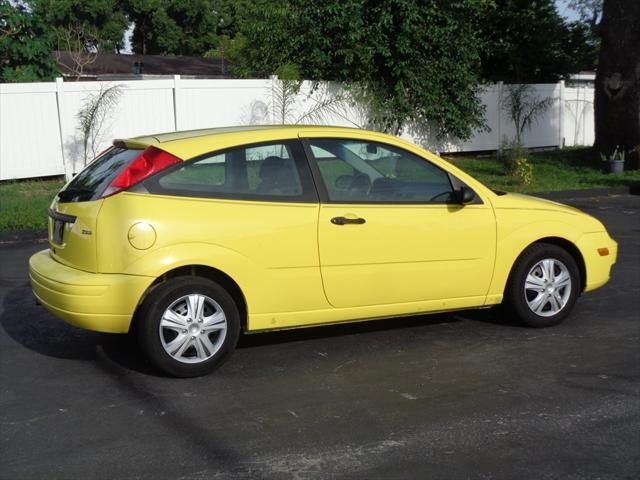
(122,64)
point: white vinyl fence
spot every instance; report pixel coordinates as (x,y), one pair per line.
(39,133)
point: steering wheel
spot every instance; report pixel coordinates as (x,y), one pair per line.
(432,199)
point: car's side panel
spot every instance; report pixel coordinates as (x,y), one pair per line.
(516,231)
(523,220)
(403,253)
(338,315)
(268,248)
(406,253)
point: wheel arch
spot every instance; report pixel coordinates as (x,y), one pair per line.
(202,271)
(574,251)
(567,246)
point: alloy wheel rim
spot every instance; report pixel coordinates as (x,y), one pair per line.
(193,328)
(547,287)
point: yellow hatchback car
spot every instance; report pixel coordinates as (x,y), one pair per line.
(189,238)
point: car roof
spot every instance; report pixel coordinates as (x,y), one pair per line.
(216,134)
(192,143)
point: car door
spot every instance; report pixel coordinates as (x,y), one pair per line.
(390,230)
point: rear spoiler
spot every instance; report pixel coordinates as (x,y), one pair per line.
(131,143)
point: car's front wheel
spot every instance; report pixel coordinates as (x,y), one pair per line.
(188,326)
(543,286)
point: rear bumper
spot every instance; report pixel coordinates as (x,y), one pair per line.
(94,301)
(598,267)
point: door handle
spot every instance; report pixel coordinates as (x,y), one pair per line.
(345,221)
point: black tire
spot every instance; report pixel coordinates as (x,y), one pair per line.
(149,334)
(516,298)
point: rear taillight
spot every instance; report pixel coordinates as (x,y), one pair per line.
(151,161)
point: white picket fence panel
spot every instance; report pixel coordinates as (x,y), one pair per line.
(39,133)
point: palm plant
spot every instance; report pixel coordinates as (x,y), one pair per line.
(322,102)
(524,107)
(92,117)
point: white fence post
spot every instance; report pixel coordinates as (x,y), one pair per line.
(68,169)
(561,107)
(274,79)
(176,101)
(499,110)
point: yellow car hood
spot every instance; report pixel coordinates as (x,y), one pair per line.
(516,201)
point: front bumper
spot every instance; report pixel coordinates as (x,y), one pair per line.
(94,301)
(598,267)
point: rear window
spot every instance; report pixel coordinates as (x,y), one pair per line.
(96,177)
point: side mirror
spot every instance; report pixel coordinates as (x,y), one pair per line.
(465,195)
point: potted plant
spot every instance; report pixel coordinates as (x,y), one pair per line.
(614,163)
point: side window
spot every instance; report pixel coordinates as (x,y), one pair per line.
(359,171)
(332,167)
(275,171)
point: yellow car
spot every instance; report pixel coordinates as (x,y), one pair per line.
(189,238)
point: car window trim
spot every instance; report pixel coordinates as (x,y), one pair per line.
(301,163)
(323,192)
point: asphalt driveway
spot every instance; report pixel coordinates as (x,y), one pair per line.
(467,395)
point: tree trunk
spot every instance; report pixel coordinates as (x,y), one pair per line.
(617,88)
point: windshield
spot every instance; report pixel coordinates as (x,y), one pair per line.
(92,181)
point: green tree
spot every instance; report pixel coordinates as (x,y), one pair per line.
(425,66)
(26,45)
(231,15)
(528,42)
(413,61)
(100,23)
(327,40)
(229,50)
(173,27)
(581,47)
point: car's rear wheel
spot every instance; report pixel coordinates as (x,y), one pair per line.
(188,326)
(543,286)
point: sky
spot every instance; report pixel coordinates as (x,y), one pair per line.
(565,11)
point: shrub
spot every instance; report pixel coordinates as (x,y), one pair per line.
(523,171)
(509,153)
(515,161)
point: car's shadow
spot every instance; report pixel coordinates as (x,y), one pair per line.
(36,329)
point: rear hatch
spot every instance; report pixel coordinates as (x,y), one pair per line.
(73,213)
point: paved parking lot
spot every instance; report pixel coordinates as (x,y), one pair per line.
(467,395)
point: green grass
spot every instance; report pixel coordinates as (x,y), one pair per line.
(567,169)
(23,204)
